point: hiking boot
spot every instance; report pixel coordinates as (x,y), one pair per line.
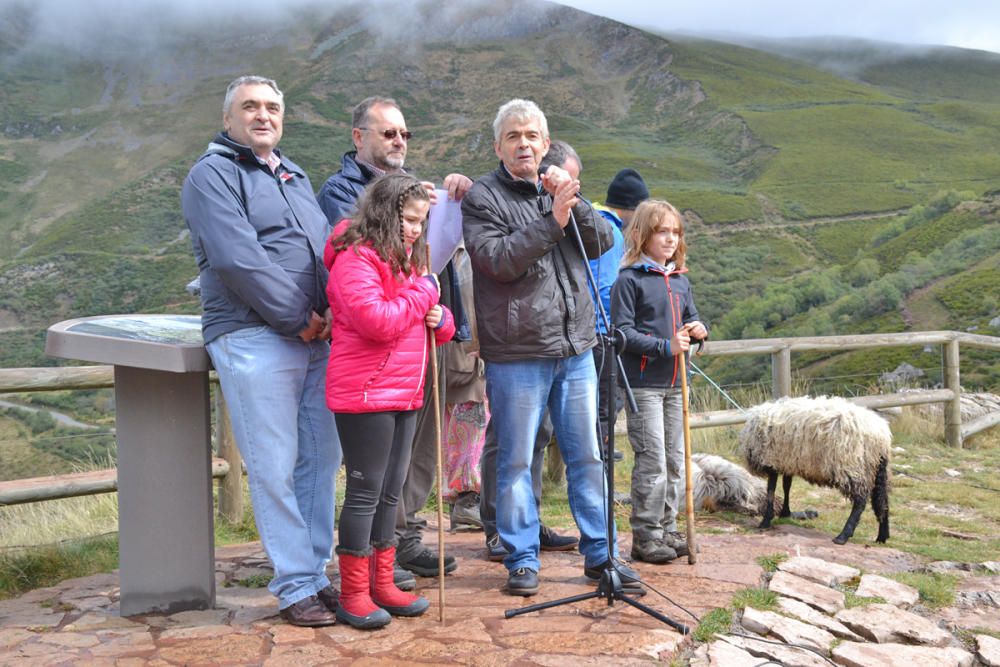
(617,455)
(465,511)
(676,541)
(550,540)
(495,550)
(629,577)
(403,579)
(425,563)
(653,551)
(522,581)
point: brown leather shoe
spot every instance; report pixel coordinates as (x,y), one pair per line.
(309,613)
(330,597)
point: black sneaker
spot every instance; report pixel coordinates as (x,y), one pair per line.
(629,577)
(522,581)
(495,550)
(425,563)
(550,540)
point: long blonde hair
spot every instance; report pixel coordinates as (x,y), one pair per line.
(647,217)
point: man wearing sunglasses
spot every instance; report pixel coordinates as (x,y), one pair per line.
(380,138)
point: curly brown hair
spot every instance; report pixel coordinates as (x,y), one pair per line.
(379,223)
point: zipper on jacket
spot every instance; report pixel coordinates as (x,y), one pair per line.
(373,376)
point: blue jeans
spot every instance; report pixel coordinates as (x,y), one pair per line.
(519,391)
(275,387)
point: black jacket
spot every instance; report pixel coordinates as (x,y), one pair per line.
(648,306)
(530,284)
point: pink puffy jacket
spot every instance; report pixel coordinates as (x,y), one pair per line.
(379,343)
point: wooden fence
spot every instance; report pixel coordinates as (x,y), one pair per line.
(229,468)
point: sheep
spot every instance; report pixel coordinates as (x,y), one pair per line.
(827,441)
(720,484)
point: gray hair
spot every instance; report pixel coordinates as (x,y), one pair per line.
(250,80)
(360,114)
(559,152)
(520,110)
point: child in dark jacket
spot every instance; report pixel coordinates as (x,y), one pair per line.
(383,300)
(653,306)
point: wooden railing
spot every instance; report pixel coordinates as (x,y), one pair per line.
(781,349)
(229,469)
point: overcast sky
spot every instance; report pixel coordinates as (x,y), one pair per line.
(973,24)
(966,23)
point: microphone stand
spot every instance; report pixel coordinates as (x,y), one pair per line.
(610,584)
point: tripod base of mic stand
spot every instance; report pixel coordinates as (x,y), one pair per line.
(609,587)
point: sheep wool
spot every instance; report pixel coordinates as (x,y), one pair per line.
(827,441)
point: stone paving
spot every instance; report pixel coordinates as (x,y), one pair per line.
(77,622)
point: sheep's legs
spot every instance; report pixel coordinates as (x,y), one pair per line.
(786,487)
(852,521)
(772,484)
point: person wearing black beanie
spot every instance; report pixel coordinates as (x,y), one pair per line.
(626,191)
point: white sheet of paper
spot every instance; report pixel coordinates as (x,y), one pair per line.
(444,230)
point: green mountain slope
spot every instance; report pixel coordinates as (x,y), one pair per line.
(798,180)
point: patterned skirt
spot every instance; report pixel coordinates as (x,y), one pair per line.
(462,447)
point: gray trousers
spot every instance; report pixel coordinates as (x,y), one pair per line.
(656,433)
(488,472)
(423,468)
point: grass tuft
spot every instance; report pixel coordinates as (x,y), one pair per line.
(716,622)
(770,562)
(25,570)
(758,598)
(936,590)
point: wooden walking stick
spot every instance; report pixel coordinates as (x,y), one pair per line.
(440,467)
(689,494)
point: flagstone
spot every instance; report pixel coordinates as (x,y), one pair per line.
(893,592)
(853,654)
(885,624)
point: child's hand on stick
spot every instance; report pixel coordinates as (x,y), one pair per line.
(433,316)
(696,330)
(681,342)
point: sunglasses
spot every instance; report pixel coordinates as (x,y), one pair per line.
(391,134)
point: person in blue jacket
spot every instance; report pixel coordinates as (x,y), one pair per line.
(258,239)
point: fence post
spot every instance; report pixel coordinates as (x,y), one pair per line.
(781,372)
(230,486)
(953,408)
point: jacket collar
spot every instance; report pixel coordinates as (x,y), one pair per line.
(649,266)
(224,145)
(517,184)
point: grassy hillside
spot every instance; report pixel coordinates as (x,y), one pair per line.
(847,146)
(800,177)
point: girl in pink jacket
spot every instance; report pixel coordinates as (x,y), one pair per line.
(384,303)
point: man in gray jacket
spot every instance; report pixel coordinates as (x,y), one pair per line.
(258,238)
(536,329)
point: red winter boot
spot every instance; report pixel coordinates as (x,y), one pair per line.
(385,593)
(356,607)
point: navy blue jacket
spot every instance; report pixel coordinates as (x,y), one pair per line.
(258,240)
(339,195)
(339,198)
(648,306)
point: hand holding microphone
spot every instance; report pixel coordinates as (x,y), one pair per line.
(564,189)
